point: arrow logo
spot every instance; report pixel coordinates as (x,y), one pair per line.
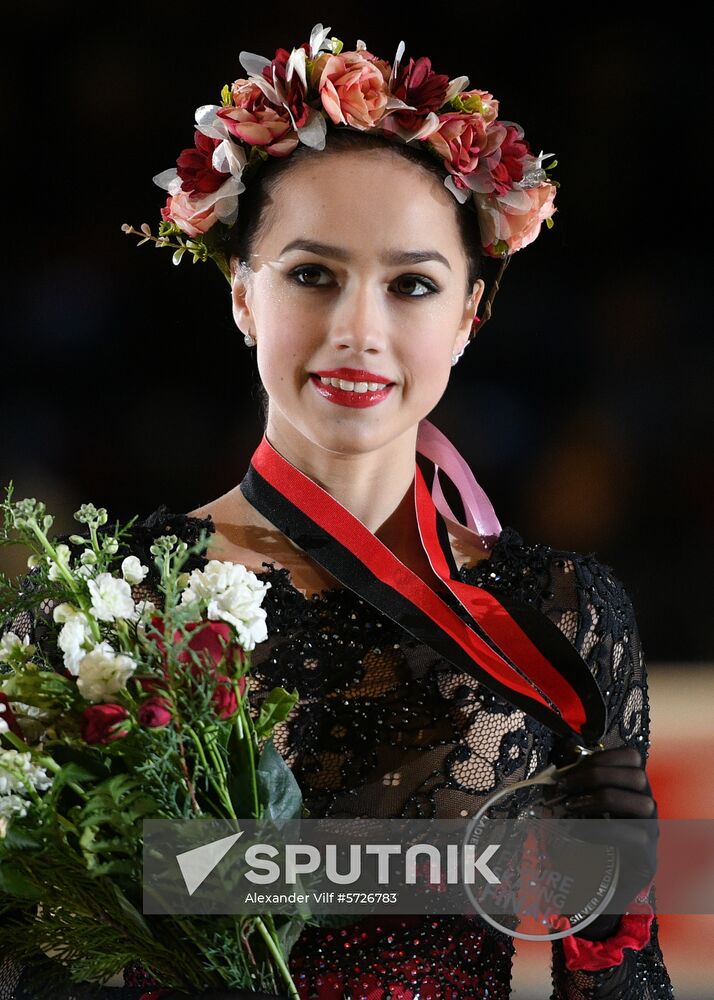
(197,864)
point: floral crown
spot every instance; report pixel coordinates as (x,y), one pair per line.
(291,98)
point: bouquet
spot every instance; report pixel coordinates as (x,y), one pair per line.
(128,711)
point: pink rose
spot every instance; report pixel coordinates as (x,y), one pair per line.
(481,102)
(196,215)
(104,723)
(354,89)
(155,712)
(516,217)
(263,127)
(247,94)
(459,140)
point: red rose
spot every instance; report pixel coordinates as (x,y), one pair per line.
(155,712)
(103,723)
(208,640)
(224,697)
(7,715)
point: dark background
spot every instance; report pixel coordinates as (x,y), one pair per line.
(584,406)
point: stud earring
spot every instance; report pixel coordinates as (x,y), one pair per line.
(248,339)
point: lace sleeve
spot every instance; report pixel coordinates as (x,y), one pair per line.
(594,610)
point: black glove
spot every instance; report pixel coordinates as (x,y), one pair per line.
(613,784)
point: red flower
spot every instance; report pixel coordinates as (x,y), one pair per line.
(104,723)
(224,697)
(295,93)
(215,645)
(510,167)
(7,715)
(195,166)
(155,712)
(417,84)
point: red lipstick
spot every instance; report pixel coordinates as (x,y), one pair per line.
(350,397)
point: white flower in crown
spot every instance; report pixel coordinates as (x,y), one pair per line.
(231,593)
(103,672)
(111,597)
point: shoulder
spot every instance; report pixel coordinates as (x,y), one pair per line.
(579,590)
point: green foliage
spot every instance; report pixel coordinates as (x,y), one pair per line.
(42,688)
(279,791)
(275,708)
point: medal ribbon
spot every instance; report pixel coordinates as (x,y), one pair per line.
(513,649)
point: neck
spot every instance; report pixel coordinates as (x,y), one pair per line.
(377,487)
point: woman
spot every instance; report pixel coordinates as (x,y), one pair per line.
(355,273)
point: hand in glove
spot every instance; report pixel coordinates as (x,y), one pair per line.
(613,784)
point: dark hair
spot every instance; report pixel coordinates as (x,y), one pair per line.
(255,205)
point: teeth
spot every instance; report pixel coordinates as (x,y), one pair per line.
(340,383)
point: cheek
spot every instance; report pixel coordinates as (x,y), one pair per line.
(427,367)
(282,361)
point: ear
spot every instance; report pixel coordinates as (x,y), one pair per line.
(240,293)
(463,333)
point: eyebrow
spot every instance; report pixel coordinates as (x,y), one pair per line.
(392,257)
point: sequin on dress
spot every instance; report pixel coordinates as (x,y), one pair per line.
(386,728)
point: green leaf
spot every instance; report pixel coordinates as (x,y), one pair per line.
(131,913)
(19,839)
(289,932)
(274,709)
(14,883)
(279,791)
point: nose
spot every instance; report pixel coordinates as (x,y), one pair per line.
(358,322)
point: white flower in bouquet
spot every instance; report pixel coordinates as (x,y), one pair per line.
(63,554)
(11,645)
(11,805)
(111,597)
(103,672)
(16,772)
(141,609)
(4,728)
(132,570)
(75,637)
(232,594)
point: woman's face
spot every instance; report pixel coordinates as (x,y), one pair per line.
(354,305)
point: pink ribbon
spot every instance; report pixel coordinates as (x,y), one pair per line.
(481,520)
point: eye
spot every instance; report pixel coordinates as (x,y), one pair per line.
(298,272)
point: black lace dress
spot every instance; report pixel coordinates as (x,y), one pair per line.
(385,727)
